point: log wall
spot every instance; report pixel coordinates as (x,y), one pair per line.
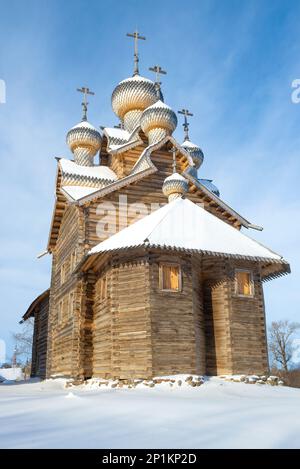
(141,331)
(39,344)
(102,327)
(122,327)
(235,326)
(173,321)
(66,322)
(248,326)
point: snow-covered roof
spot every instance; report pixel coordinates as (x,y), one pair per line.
(136,78)
(77,192)
(159,104)
(184,225)
(36,302)
(175,177)
(189,144)
(84,124)
(120,139)
(117,133)
(99,172)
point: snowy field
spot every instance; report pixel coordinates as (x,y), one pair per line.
(218,414)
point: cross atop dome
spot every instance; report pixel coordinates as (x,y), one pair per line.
(173,151)
(158,71)
(85,90)
(185,113)
(136,36)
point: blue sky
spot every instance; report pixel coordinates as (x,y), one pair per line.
(231,62)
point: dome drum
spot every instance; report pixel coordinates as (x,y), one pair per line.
(156,135)
(131,120)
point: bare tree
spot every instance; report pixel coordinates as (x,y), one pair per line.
(23,341)
(281,335)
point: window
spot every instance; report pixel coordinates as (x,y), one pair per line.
(170,277)
(73,261)
(63,273)
(63,309)
(70,306)
(102,289)
(244,283)
(60,311)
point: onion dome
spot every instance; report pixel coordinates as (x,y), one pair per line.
(84,141)
(210,186)
(131,97)
(157,121)
(195,152)
(174,186)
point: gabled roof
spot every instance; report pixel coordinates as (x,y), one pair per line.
(74,193)
(143,167)
(185,226)
(78,181)
(87,186)
(145,158)
(89,176)
(35,304)
(120,140)
(218,202)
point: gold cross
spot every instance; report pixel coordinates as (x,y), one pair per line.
(136,36)
(85,90)
(185,124)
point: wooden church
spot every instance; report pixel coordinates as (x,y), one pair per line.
(151,273)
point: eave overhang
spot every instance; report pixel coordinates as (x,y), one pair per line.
(35,305)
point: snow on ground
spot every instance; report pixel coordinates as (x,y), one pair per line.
(11,374)
(218,414)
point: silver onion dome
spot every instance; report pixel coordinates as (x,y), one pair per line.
(210,186)
(174,186)
(157,121)
(195,152)
(133,95)
(84,141)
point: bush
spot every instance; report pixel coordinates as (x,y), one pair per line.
(291,378)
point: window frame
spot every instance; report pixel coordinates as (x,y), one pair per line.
(63,272)
(60,311)
(161,277)
(252,289)
(102,289)
(71,304)
(73,261)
